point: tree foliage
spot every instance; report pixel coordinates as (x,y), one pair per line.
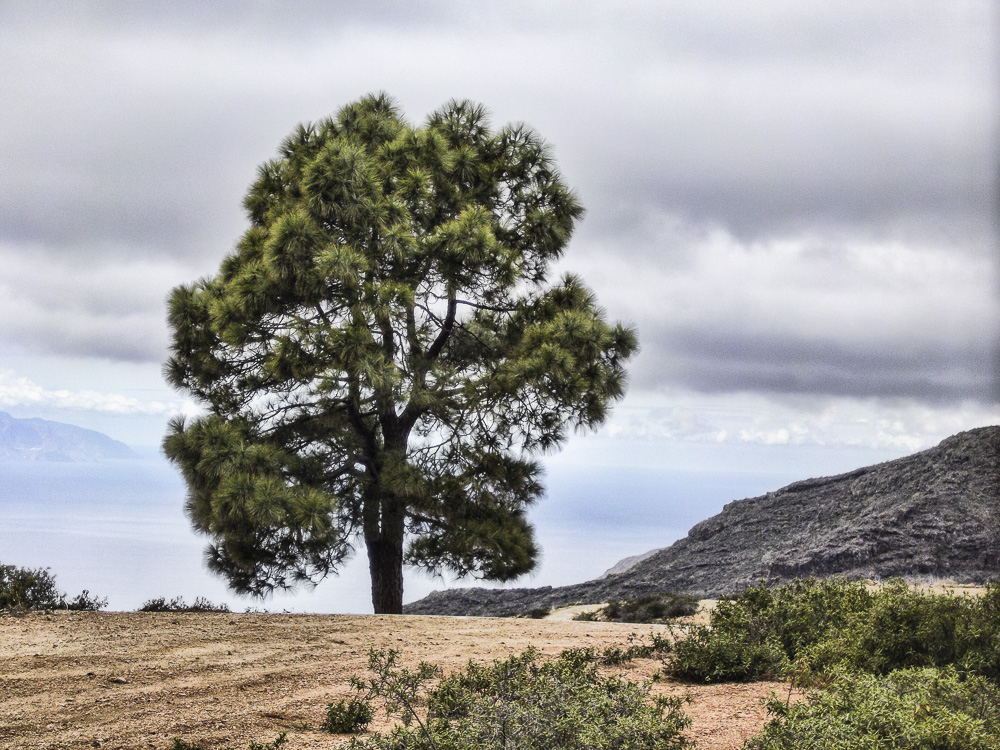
(383,356)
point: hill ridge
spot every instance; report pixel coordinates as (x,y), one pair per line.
(935,513)
(35,439)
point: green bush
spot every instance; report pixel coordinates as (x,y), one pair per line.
(521,702)
(904,628)
(759,633)
(797,615)
(811,627)
(912,709)
(348,717)
(645,609)
(24,589)
(980,636)
(616,655)
(276,744)
(707,655)
(177,604)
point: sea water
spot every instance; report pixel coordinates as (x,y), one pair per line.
(118,529)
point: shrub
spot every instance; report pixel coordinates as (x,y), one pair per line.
(645,609)
(348,717)
(276,744)
(910,709)
(616,655)
(523,702)
(762,631)
(24,588)
(706,655)
(980,636)
(85,602)
(539,613)
(797,615)
(177,604)
(904,628)
(820,625)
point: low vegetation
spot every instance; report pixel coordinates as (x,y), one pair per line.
(886,668)
(653,608)
(276,744)
(348,716)
(914,708)
(177,604)
(521,702)
(808,628)
(23,589)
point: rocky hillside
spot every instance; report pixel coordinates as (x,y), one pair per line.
(933,514)
(42,440)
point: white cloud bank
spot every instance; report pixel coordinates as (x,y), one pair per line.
(901,426)
(16,391)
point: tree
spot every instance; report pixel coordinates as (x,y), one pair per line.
(382,359)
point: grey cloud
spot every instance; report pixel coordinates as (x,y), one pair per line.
(129,135)
(827,315)
(105,308)
(762,120)
(138,338)
(713,362)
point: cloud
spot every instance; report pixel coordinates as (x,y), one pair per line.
(685,416)
(147,133)
(94,306)
(789,198)
(814,313)
(19,391)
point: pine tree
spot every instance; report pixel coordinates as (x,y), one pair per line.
(382,358)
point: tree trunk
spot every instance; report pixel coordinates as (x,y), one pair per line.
(385,562)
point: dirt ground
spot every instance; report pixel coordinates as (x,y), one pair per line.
(138,680)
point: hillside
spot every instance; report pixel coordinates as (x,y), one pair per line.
(42,440)
(932,514)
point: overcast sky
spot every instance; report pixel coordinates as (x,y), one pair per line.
(794,202)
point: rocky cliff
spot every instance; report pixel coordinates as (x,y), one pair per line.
(933,514)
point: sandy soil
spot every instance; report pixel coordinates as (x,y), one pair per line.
(138,680)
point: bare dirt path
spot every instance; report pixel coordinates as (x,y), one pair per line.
(138,680)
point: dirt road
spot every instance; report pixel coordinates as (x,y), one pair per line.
(138,680)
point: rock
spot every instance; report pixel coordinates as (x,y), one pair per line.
(935,514)
(627,563)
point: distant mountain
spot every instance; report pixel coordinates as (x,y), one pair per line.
(933,514)
(42,440)
(627,563)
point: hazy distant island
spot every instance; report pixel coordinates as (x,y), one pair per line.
(43,440)
(934,514)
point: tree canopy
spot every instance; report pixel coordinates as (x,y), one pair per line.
(382,358)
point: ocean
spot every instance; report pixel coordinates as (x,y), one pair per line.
(118,529)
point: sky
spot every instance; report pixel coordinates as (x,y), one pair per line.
(795,203)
